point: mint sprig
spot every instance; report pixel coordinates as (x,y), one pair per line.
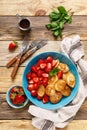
(58,18)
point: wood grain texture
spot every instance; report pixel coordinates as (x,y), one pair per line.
(6,55)
(8,113)
(27,125)
(10,31)
(29,7)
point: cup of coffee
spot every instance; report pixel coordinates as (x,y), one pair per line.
(24,23)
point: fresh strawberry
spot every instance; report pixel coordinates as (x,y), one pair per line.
(45,81)
(54,63)
(39,73)
(30,81)
(49,66)
(12,96)
(30,87)
(40,62)
(15,90)
(33,69)
(47,70)
(34,93)
(12,45)
(45,99)
(39,98)
(28,75)
(15,102)
(49,59)
(33,75)
(60,74)
(20,99)
(36,85)
(36,79)
(45,75)
(42,65)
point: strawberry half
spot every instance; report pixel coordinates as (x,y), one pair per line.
(45,99)
(12,45)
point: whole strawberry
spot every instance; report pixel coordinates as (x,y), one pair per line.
(12,45)
(17,96)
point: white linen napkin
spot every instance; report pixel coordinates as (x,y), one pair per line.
(49,119)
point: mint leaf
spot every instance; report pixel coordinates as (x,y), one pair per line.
(54,71)
(62,10)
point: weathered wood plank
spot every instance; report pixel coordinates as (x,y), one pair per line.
(10,31)
(27,125)
(6,55)
(8,113)
(29,7)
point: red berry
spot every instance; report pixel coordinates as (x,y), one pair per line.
(12,46)
(30,87)
(28,75)
(42,65)
(49,59)
(45,81)
(47,70)
(30,81)
(60,74)
(45,75)
(49,66)
(54,63)
(40,62)
(39,73)
(33,69)
(33,75)
(36,85)
(45,99)
(34,93)
(39,98)
(36,79)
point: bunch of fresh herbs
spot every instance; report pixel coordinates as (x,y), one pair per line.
(58,18)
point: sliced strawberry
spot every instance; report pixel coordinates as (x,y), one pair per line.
(45,75)
(54,63)
(49,59)
(47,70)
(36,79)
(60,74)
(42,65)
(28,75)
(33,69)
(33,75)
(39,73)
(40,62)
(30,87)
(39,98)
(45,81)
(30,81)
(49,66)
(45,99)
(34,93)
(36,85)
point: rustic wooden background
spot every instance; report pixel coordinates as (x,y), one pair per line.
(21,119)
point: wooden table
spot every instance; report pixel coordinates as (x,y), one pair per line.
(21,119)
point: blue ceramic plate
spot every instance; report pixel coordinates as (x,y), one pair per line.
(65,100)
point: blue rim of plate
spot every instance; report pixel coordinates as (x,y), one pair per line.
(65,100)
